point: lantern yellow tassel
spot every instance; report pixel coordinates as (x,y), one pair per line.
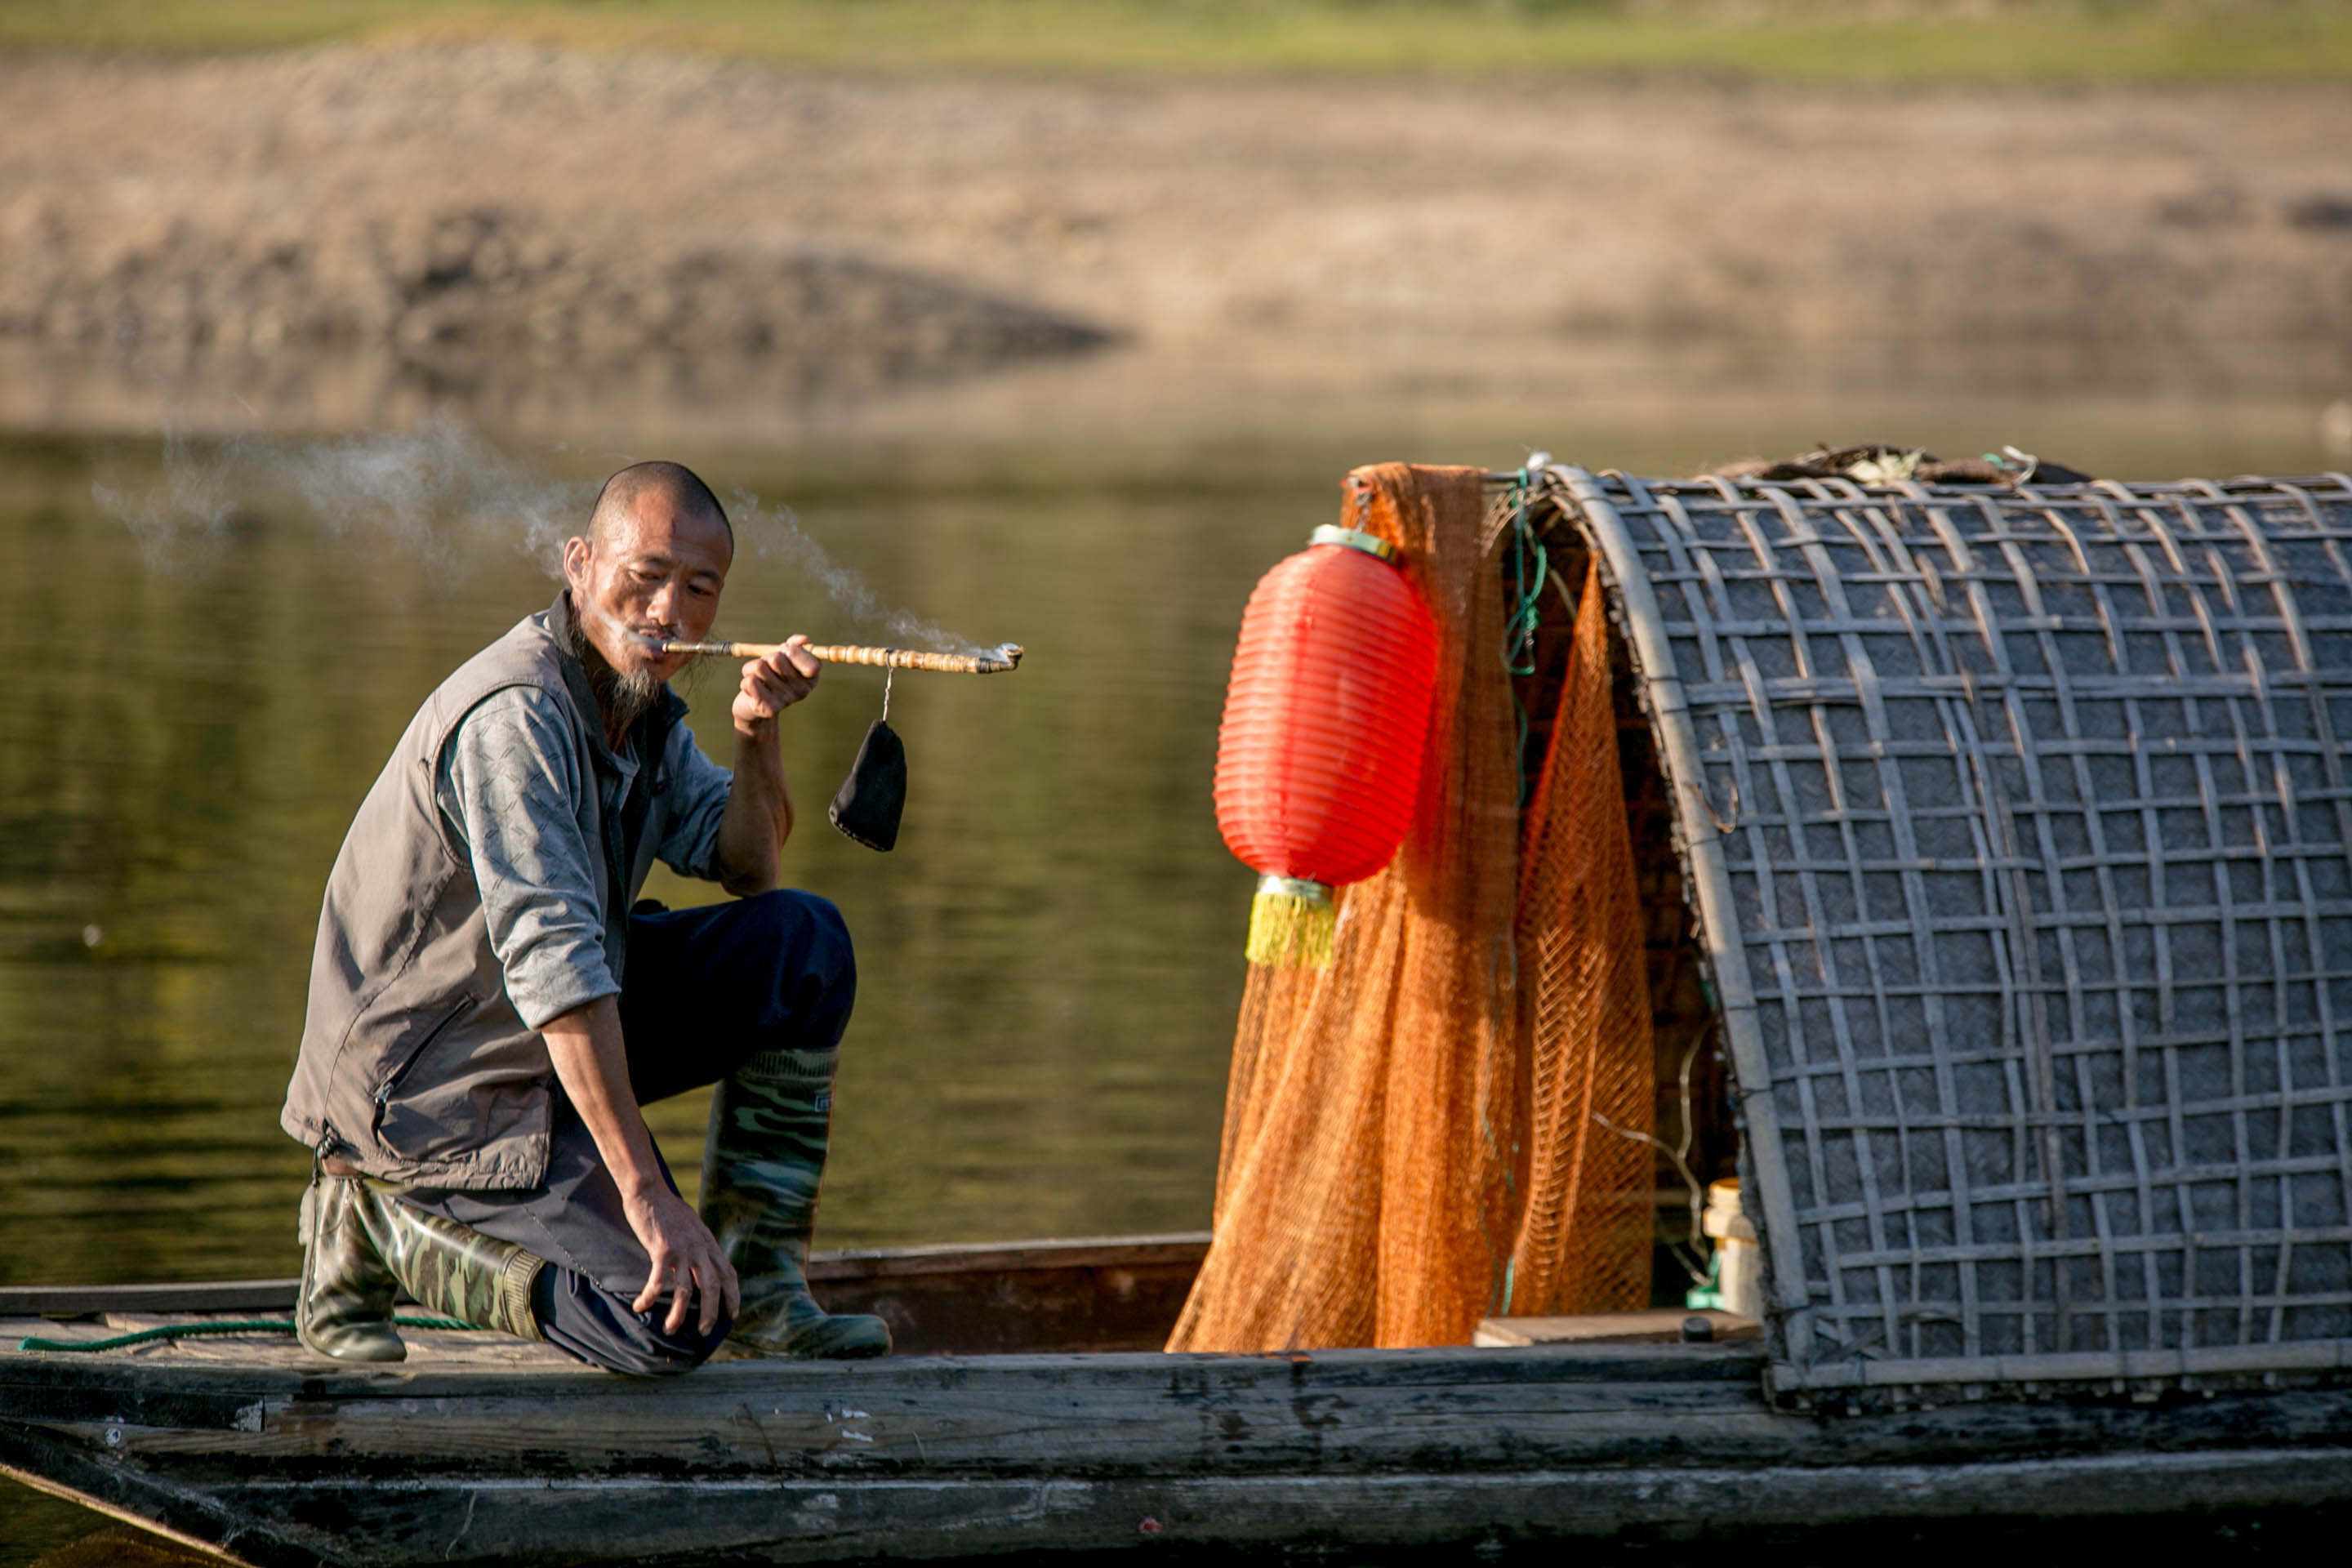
(1292,921)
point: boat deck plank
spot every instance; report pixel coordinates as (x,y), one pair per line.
(277,1351)
(484,1364)
(1079,1293)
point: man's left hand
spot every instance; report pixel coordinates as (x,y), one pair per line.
(774,683)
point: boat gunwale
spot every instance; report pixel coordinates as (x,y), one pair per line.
(1160,1371)
(824,1267)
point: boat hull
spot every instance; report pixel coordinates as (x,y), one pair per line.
(482,1450)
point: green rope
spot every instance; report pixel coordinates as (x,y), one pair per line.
(1530,565)
(197,1331)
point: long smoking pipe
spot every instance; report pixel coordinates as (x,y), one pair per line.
(1005,657)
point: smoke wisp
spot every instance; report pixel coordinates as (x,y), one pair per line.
(433,495)
(776,533)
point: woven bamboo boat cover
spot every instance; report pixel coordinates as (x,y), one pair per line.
(2018,824)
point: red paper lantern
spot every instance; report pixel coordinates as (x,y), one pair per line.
(1318,758)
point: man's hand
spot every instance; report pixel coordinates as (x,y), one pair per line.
(592,1062)
(759,814)
(688,1265)
(772,684)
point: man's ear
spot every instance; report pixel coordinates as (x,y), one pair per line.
(575,560)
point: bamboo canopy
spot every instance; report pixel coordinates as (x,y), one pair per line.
(2016,823)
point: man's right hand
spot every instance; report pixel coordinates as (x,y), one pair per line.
(593,1065)
(688,1265)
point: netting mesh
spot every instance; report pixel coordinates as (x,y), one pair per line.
(1586,1228)
(1376,1154)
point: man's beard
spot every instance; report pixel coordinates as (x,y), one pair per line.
(625,696)
(631,696)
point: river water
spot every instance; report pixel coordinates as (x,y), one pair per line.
(200,690)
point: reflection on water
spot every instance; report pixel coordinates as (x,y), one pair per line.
(1050,959)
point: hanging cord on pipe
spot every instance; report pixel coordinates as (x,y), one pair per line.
(994,662)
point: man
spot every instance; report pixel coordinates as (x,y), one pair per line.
(489,1007)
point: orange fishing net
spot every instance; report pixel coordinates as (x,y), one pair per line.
(1372,1187)
(1586,1228)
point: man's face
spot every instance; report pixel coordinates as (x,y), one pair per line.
(653,576)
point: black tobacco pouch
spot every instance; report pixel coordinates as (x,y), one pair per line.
(866,806)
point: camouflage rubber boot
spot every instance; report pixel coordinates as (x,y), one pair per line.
(344,1310)
(760,1167)
(452,1270)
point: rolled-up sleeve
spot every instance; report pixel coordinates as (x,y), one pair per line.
(509,783)
(697,791)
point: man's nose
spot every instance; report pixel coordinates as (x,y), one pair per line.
(663,606)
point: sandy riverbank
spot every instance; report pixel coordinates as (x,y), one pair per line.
(499,213)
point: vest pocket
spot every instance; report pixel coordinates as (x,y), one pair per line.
(399,1075)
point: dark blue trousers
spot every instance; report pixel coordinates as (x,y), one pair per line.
(706,989)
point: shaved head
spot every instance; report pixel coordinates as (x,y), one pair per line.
(647,573)
(674,483)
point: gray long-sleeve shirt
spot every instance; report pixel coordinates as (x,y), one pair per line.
(509,785)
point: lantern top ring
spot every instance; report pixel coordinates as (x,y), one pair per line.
(1305,890)
(1354,539)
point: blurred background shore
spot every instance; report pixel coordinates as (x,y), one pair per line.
(1053,321)
(753,222)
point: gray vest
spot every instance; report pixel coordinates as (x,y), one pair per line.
(415,1064)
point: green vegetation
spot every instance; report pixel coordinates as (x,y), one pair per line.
(2024,41)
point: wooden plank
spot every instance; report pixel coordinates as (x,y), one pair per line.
(1178,1248)
(192,1515)
(1096,1307)
(847,1264)
(1241,1418)
(460,1351)
(724,1385)
(1047,1430)
(281,1351)
(1037,1428)
(1084,1293)
(1036,1413)
(1663,1325)
(256,1296)
(227,1412)
(484,1521)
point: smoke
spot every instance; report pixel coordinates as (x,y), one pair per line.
(776,533)
(195,498)
(434,498)
(434,495)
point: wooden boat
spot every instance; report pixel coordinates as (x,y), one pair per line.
(1031,1413)
(2041,1134)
